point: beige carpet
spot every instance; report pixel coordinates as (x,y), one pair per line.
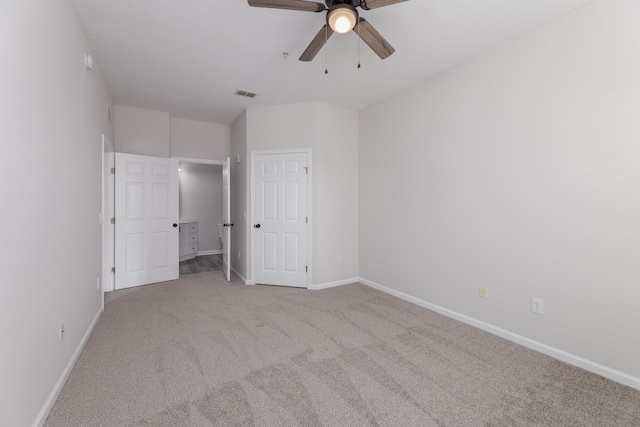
(203,352)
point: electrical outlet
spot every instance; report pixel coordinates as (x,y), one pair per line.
(61,332)
(340,259)
(537,305)
(484,292)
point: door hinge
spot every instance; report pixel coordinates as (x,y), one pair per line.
(113,170)
(306,268)
(113,269)
(307,220)
(306,170)
(113,220)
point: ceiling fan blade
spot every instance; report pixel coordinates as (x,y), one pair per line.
(374,4)
(316,44)
(373,39)
(305,6)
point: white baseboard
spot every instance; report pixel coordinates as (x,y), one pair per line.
(333,284)
(214,252)
(241,277)
(572,359)
(48,404)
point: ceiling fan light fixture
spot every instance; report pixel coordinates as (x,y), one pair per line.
(342,19)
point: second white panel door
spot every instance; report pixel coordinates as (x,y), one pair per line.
(281,219)
(226,219)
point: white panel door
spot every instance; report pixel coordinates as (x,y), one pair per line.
(146,220)
(281,219)
(226,219)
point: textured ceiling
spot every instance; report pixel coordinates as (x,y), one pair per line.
(188,57)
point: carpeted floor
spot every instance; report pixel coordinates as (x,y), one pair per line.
(203,352)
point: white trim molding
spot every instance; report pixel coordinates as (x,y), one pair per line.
(333,284)
(564,356)
(213,252)
(199,161)
(241,277)
(48,404)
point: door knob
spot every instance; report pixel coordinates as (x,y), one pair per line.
(175,225)
(257,226)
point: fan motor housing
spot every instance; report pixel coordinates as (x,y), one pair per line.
(331,4)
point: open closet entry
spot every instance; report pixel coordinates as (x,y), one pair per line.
(204,227)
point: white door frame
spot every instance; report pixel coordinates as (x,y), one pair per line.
(198,161)
(204,162)
(220,163)
(108,202)
(252,219)
(226,218)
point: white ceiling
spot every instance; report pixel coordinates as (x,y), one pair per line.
(188,57)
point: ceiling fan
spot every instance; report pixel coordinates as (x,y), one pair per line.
(342,17)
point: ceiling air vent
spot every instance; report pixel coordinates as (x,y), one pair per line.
(245,93)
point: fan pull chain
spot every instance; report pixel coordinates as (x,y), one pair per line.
(326,55)
(358,28)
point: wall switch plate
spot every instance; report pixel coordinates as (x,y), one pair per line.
(537,305)
(484,292)
(340,259)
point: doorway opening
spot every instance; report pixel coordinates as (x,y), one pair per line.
(201,217)
(196,182)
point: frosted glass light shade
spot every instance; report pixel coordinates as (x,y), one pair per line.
(342,19)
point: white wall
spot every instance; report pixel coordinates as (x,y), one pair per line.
(155,133)
(518,170)
(201,201)
(332,134)
(335,195)
(199,140)
(142,132)
(53,116)
(239,193)
(282,127)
